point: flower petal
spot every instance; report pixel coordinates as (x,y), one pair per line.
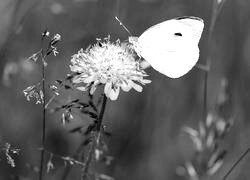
(82,88)
(107,88)
(89,79)
(125,87)
(113,95)
(146,81)
(92,89)
(136,86)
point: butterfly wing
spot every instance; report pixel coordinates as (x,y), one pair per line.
(171,47)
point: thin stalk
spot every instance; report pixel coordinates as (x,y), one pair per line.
(44,113)
(96,139)
(44,64)
(68,167)
(208,60)
(236,163)
(205,94)
(216,9)
(50,101)
(64,158)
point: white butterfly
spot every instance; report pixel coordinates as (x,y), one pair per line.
(171,47)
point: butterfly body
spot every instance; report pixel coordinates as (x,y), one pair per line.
(171,47)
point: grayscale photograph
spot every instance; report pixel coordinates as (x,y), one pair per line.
(124,89)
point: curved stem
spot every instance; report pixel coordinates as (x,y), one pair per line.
(216,9)
(96,139)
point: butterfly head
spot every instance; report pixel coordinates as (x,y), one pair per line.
(137,48)
(133,39)
(135,44)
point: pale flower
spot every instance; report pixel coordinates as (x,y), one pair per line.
(35,92)
(56,38)
(111,64)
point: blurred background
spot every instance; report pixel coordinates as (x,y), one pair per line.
(148,141)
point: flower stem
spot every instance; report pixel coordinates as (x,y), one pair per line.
(96,139)
(44,114)
(216,9)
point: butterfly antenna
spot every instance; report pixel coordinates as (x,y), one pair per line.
(121,24)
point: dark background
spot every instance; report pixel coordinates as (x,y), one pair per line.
(147,138)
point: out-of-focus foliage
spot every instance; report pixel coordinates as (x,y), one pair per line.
(147,139)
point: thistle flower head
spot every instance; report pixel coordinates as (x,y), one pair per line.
(111,64)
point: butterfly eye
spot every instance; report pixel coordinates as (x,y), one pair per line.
(177,34)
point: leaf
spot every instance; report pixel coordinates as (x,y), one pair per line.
(63,119)
(217,156)
(41,96)
(91,103)
(75,101)
(87,141)
(191,131)
(69,76)
(98,154)
(50,166)
(191,171)
(215,167)
(89,94)
(228,125)
(66,117)
(67,87)
(194,135)
(82,88)
(67,106)
(83,104)
(63,106)
(76,129)
(91,114)
(107,133)
(49,52)
(59,82)
(210,140)
(90,128)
